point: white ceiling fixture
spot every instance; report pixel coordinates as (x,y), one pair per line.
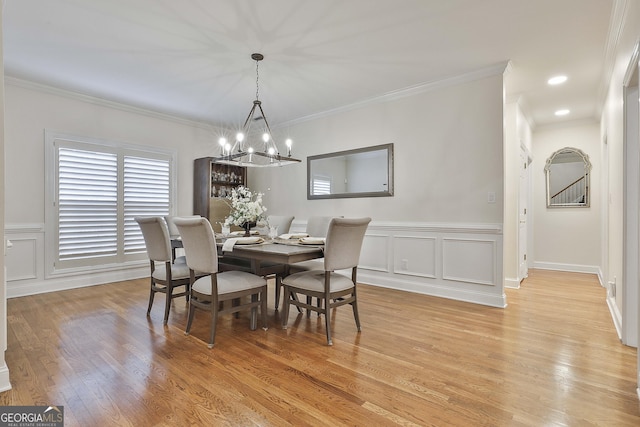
(557,80)
(254,147)
(562,112)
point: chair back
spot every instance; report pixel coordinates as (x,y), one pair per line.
(173,230)
(282,223)
(199,242)
(156,237)
(344,242)
(317,226)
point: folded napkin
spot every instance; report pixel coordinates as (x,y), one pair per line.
(241,233)
(312,240)
(230,243)
(293,236)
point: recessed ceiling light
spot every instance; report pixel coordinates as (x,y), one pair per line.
(562,112)
(557,80)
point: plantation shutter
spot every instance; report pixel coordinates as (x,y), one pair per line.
(87,204)
(146,193)
(321,185)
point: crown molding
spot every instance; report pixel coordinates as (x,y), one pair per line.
(90,99)
(493,70)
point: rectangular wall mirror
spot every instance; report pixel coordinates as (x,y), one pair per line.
(363,172)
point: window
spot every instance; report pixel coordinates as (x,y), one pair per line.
(321,185)
(97,190)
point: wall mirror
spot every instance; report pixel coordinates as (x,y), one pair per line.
(567,172)
(363,172)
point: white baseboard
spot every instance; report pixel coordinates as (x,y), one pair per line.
(24,288)
(435,289)
(5,383)
(615,316)
(574,268)
(512,283)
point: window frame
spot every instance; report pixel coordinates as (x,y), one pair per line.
(53,139)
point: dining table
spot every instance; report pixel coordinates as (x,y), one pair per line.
(278,251)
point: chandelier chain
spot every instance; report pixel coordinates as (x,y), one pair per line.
(257,84)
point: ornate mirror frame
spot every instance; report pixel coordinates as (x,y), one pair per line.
(567,174)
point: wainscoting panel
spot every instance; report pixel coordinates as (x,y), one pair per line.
(468,260)
(21,259)
(415,256)
(373,256)
(455,261)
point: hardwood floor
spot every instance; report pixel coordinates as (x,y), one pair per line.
(552,357)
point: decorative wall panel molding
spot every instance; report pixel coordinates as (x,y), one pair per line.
(21,259)
(469,260)
(455,261)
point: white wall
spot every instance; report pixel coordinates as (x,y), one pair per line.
(448,145)
(30,109)
(5,384)
(438,235)
(517,137)
(567,238)
(612,130)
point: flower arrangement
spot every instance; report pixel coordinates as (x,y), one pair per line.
(246,207)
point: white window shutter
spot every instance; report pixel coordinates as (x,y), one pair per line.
(87,204)
(146,193)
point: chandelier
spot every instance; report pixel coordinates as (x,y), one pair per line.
(254,147)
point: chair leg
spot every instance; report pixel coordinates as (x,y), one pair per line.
(327,321)
(278,285)
(152,293)
(327,313)
(253,323)
(192,310)
(285,306)
(354,305)
(263,308)
(308,311)
(214,324)
(167,305)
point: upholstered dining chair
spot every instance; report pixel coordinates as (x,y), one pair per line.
(282,223)
(170,275)
(218,292)
(342,250)
(265,269)
(174,234)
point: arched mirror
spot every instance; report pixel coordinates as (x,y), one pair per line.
(567,172)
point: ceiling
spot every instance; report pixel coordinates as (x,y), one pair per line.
(192,58)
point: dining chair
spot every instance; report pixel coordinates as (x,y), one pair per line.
(342,250)
(317,226)
(174,234)
(282,223)
(218,292)
(158,244)
(265,269)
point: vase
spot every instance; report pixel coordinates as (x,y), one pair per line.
(247,228)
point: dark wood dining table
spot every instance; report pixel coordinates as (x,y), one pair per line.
(268,251)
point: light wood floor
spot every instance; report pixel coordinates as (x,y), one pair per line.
(550,358)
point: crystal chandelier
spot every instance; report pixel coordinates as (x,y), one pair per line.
(254,147)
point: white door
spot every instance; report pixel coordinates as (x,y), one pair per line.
(523,266)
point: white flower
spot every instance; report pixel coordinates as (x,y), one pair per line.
(245,207)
